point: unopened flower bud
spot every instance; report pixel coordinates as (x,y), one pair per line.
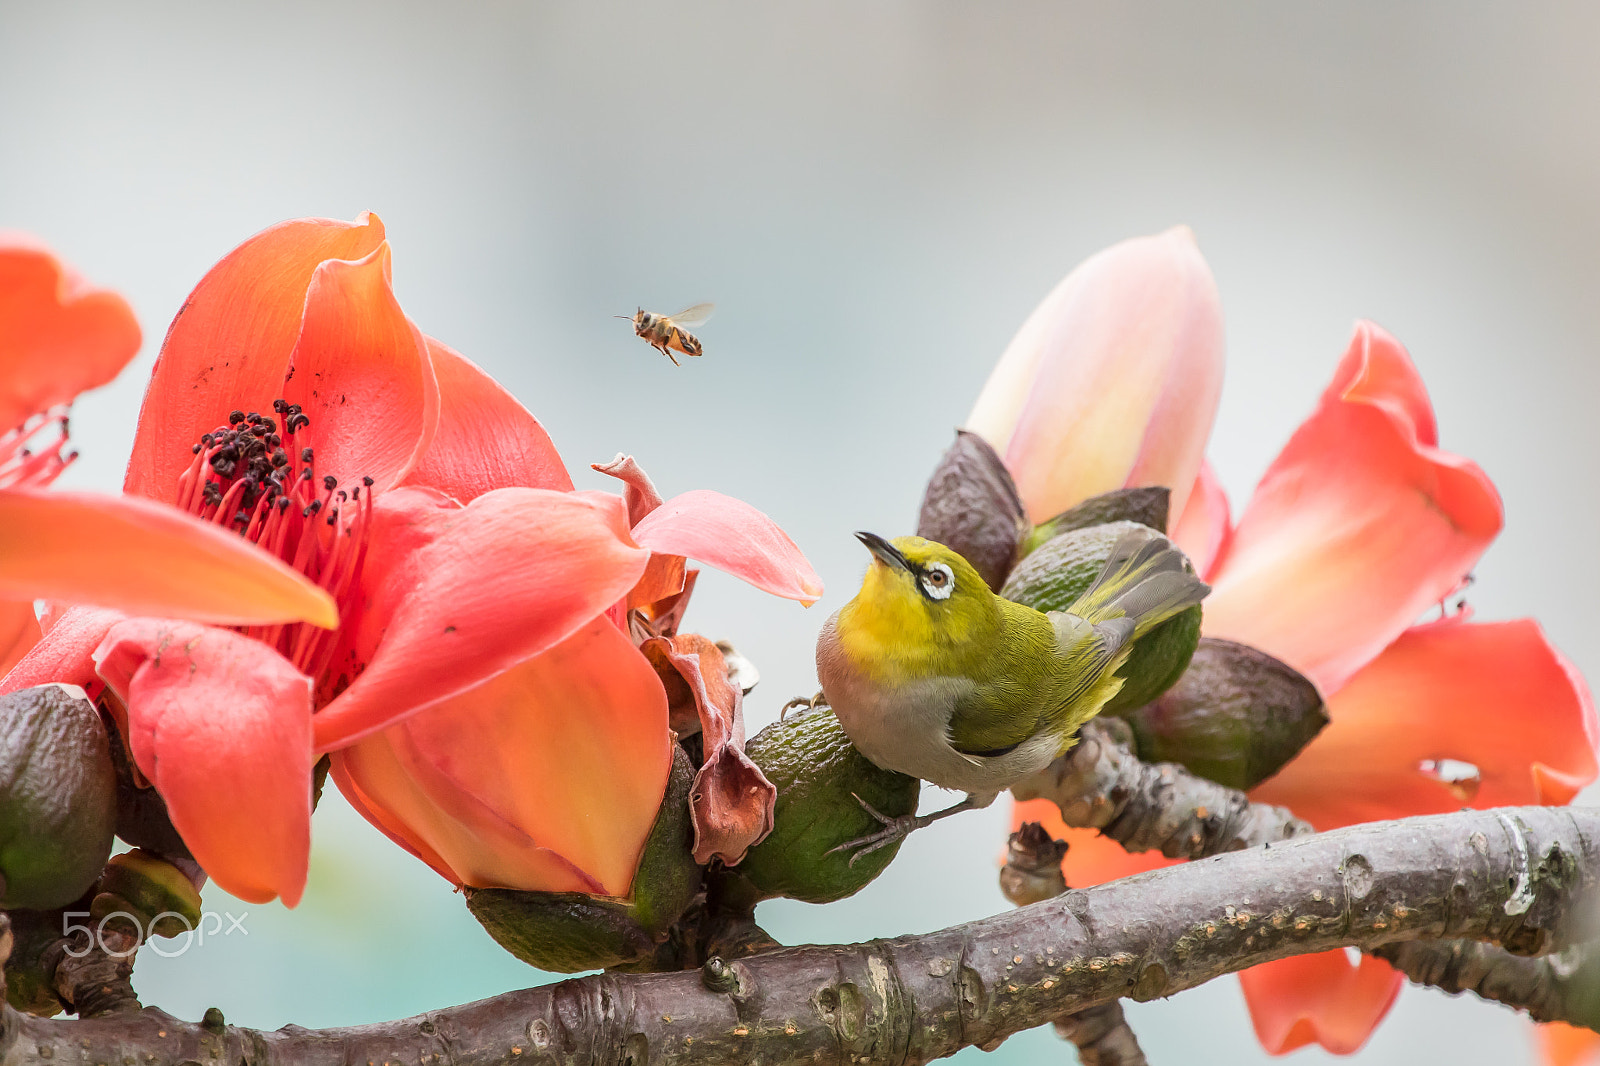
(971,505)
(1236,716)
(822,782)
(57,797)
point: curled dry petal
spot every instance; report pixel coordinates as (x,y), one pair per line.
(735,538)
(58,336)
(486,440)
(361,371)
(1113,381)
(230,343)
(546,778)
(220,724)
(145,557)
(1322,998)
(731,801)
(458,594)
(1452,714)
(640,491)
(1359,525)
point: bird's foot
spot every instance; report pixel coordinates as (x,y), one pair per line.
(811,704)
(894,829)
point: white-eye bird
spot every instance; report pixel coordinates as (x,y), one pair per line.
(934,675)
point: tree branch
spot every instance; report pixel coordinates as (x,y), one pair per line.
(1032,872)
(1562,987)
(1101,784)
(1512,875)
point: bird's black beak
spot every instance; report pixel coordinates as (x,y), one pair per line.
(887,553)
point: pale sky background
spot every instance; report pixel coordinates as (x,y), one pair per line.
(875,196)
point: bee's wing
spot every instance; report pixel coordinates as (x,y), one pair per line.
(691,317)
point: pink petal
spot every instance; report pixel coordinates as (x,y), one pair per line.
(731,802)
(640,493)
(1113,381)
(1319,998)
(361,371)
(221,725)
(735,538)
(486,439)
(1202,530)
(457,595)
(58,336)
(1357,528)
(228,347)
(146,558)
(1443,700)
(546,778)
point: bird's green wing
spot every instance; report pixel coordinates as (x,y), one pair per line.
(1048,671)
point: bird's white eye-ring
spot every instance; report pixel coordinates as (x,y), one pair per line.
(938,582)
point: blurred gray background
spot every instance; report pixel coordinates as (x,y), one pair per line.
(875,196)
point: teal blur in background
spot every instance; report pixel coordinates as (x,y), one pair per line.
(875,196)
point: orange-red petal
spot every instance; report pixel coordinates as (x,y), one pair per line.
(58,336)
(546,778)
(458,594)
(735,538)
(228,348)
(1358,527)
(1092,859)
(1444,700)
(361,372)
(1568,1045)
(1202,530)
(221,726)
(146,558)
(65,654)
(1321,998)
(486,439)
(19,632)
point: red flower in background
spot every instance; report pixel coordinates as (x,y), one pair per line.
(470,578)
(60,337)
(1358,527)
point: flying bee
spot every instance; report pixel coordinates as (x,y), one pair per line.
(665,332)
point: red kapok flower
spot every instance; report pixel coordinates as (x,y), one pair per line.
(424,501)
(59,337)
(1359,525)
(549,777)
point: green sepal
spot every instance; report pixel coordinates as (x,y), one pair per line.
(564,932)
(1054,575)
(818,774)
(57,797)
(156,893)
(1237,716)
(1148,506)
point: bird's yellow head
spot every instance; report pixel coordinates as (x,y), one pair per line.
(922,608)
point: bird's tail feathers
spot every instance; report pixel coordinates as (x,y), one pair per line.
(1145,579)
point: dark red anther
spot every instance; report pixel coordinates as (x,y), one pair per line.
(235,417)
(329,481)
(305,455)
(367,481)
